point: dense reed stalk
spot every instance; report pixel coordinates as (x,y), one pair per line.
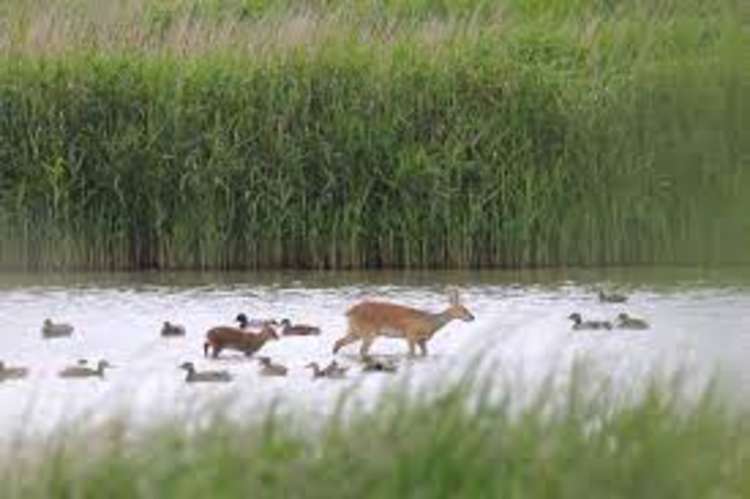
(581,442)
(252,134)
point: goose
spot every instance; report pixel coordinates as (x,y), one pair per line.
(7,373)
(624,321)
(204,376)
(270,369)
(298,329)
(52,330)
(579,323)
(82,371)
(611,298)
(169,329)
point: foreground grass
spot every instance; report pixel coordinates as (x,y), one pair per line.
(350,134)
(454,444)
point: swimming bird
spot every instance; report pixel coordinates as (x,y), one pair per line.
(169,329)
(52,330)
(7,373)
(332,371)
(255,323)
(624,321)
(270,369)
(579,323)
(82,371)
(317,373)
(204,376)
(375,365)
(298,329)
(611,298)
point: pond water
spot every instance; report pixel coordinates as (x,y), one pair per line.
(699,323)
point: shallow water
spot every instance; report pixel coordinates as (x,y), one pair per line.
(699,323)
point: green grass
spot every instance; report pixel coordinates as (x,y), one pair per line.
(332,134)
(578,441)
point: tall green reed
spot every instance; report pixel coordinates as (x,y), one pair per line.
(581,133)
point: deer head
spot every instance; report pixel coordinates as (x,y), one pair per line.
(456,310)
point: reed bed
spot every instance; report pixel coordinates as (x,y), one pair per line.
(332,134)
(582,441)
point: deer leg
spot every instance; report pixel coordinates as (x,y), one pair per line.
(217,351)
(365,348)
(423,347)
(346,340)
(412,344)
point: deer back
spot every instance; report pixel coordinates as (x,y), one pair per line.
(388,319)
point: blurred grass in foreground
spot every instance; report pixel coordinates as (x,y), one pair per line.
(573,440)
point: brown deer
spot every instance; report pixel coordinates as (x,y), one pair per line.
(368,320)
(224,337)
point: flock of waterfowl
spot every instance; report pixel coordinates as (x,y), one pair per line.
(622,321)
(241,338)
(366,321)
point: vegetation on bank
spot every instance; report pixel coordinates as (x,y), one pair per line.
(581,441)
(372,133)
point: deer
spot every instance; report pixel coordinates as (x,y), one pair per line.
(221,337)
(370,319)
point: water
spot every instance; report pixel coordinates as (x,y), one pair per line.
(700,323)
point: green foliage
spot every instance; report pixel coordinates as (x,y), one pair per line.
(342,136)
(576,440)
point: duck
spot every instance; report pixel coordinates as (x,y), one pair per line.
(204,376)
(332,371)
(169,329)
(254,323)
(611,298)
(317,373)
(624,321)
(376,365)
(270,369)
(298,329)
(82,371)
(7,373)
(52,330)
(579,323)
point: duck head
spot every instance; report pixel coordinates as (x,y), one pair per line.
(575,317)
(242,319)
(188,366)
(266,361)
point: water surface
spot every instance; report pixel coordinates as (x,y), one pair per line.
(699,323)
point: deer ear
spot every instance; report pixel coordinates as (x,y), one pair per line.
(453,297)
